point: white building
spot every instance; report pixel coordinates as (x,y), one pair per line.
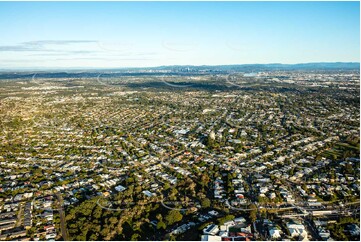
(211,238)
(297,230)
(211,229)
(274,233)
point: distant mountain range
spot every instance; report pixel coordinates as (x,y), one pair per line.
(271,67)
(178,70)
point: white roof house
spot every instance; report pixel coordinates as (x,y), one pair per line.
(211,229)
(296,230)
(120,188)
(274,233)
(211,238)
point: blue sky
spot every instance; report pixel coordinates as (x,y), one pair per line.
(130,34)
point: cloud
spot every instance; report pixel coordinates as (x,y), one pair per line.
(69,47)
(63,53)
(42,45)
(105,59)
(20,48)
(58,42)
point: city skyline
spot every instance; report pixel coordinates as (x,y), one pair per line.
(147,34)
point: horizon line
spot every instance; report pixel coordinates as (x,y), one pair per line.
(160,66)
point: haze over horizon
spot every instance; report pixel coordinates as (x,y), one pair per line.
(52,35)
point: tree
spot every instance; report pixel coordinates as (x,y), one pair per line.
(173,217)
(206,203)
(225,219)
(97,213)
(262,199)
(93,237)
(161,225)
(135,237)
(348,168)
(159,217)
(166,186)
(334,157)
(291,172)
(253,213)
(204,179)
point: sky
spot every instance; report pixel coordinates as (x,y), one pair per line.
(144,34)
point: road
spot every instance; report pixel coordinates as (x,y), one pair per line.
(64,232)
